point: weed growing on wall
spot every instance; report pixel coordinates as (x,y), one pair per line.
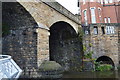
(5,29)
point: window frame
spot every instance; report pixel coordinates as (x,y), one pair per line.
(95,30)
(105,19)
(101,1)
(109,20)
(110,30)
(93,16)
(85,15)
(84,1)
(110,1)
(103,30)
(106,1)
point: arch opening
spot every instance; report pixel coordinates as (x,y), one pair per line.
(105,60)
(65,46)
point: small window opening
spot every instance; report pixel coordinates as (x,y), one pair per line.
(103,30)
(95,30)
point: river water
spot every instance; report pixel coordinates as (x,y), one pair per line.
(99,74)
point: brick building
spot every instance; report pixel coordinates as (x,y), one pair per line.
(100,21)
(101,11)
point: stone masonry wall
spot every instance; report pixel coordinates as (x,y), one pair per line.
(46,16)
(21,41)
(42,45)
(28,40)
(103,44)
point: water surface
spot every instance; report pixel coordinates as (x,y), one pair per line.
(99,74)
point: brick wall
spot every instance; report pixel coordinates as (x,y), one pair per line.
(109,10)
(103,44)
(21,42)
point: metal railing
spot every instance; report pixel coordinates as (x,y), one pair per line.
(8,67)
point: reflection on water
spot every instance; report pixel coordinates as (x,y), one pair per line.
(102,74)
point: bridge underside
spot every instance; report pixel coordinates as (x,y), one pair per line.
(65,46)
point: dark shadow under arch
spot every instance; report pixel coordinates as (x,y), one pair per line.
(105,60)
(65,46)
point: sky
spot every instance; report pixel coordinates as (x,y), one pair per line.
(71,5)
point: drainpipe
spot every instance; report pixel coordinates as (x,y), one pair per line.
(116,12)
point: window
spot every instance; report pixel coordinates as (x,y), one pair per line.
(95,30)
(99,12)
(98,1)
(101,1)
(103,31)
(107,30)
(109,20)
(110,1)
(91,0)
(106,1)
(105,19)
(110,29)
(101,19)
(86,32)
(83,1)
(93,15)
(85,16)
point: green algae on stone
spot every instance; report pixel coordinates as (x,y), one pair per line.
(50,66)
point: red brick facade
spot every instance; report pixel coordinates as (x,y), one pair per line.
(99,12)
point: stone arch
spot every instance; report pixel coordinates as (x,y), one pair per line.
(64,45)
(105,60)
(68,22)
(21,41)
(40,10)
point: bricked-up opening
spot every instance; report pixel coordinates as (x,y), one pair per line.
(103,30)
(65,46)
(105,60)
(21,40)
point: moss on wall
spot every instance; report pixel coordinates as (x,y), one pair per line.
(5,29)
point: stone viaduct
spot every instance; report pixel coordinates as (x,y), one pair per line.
(37,31)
